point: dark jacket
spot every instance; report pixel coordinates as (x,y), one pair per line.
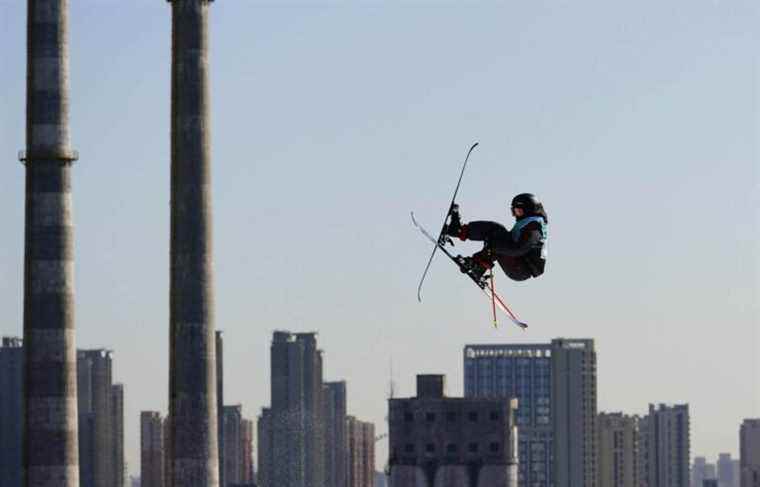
(520,251)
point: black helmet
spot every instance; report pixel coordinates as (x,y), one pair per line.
(527,201)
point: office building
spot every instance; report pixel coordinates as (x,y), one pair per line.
(443,441)
(11,411)
(555,385)
(618,448)
(749,455)
(151,449)
(665,446)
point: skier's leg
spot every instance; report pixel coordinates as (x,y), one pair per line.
(485,231)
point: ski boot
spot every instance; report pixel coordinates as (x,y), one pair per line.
(476,267)
(454,226)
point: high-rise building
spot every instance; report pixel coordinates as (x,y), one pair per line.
(219,348)
(96,428)
(336,443)
(736,464)
(151,449)
(749,444)
(555,385)
(247,475)
(11,411)
(117,425)
(381,480)
(441,441)
(665,446)
(698,473)
(233,456)
(725,470)
(293,426)
(313,409)
(265,452)
(618,449)
(361,453)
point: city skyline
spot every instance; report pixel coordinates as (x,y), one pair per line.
(634,135)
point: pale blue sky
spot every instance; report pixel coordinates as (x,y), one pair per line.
(636,122)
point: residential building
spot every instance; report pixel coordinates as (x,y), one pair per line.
(361,453)
(293,426)
(96,428)
(725,470)
(749,445)
(11,411)
(119,474)
(665,446)
(555,385)
(441,441)
(151,449)
(336,451)
(618,449)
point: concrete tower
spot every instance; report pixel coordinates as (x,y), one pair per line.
(194,458)
(50,397)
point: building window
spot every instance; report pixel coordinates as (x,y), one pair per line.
(451,417)
(494,415)
(430,448)
(430,417)
(409,448)
(473,416)
(472,447)
(451,448)
(409,417)
(494,447)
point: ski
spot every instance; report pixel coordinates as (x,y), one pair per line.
(493,296)
(445,221)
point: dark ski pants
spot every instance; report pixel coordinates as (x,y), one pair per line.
(496,235)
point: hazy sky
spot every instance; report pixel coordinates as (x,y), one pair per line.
(636,123)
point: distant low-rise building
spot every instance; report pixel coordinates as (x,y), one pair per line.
(443,441)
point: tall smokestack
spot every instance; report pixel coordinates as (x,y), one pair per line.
(51,456)
(192,370)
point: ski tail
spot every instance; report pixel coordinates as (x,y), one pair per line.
(445,220)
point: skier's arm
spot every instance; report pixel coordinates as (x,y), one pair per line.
(529,241)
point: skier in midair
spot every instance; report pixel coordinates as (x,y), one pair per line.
(521,251)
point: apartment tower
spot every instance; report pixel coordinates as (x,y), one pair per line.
(749,445)
(151,449)
(665,446)
(618,447)
(11,410)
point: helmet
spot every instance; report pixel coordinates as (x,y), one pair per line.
(527,201)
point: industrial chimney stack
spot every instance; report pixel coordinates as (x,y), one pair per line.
(51,456)
(192,371)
